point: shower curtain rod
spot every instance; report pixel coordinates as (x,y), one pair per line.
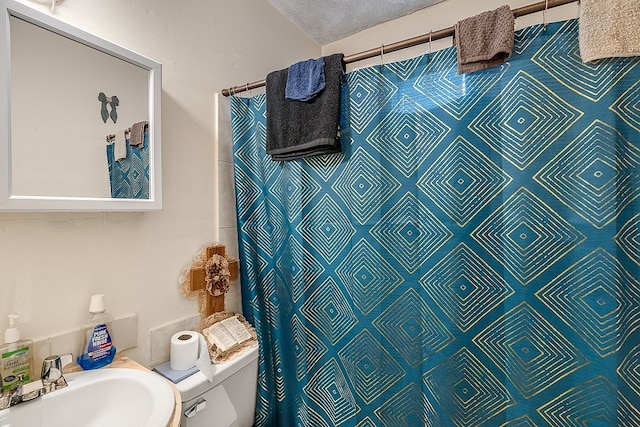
(414,41)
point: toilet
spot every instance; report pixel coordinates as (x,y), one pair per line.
(230,400)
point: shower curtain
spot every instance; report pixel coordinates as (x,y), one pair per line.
(471,258)
(129,177)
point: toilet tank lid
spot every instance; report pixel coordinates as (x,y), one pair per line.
(198,383)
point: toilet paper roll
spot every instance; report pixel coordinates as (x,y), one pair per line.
(184,350)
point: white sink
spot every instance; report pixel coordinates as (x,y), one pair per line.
(105,397)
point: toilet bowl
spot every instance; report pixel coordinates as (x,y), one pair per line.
(229,400)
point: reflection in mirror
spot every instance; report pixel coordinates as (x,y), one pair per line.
(73,102)
(58,136)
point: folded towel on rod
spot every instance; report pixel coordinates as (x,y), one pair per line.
(120,145)
(485,40)
(609,29)
(298,129)
(305,80)
(136,136)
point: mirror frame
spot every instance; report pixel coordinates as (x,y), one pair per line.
(21,203)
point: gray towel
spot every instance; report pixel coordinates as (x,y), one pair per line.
(297,129)
(485,40)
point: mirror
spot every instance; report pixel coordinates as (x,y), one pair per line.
(68,101)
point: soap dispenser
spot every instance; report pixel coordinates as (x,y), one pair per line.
(97,349)
(16,357)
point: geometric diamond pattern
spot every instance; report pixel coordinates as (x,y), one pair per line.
(469,258)
(369,92)
(626,107)
(629,369)
(274,303)
(529,350)
(465,287)
(365,185)
(328,310)
(307,416)
(525,37)
(597,175)
(371,369)
(596,402)
(129,177)
(456,94)
(243,116)
(526,236)
(408,128)
(560,57)
(256,162)
(405,69)
(516,127)
(278,374)
(466,391)
(462,181)
(523,421)
(299,268)
(628,238)
(366,422)
(410,232)
(294,189)
(367,276)
(266,226)
(598,298)
(410,408)
(307,348)
(328,229)
(246,191)
(412,328)
(323,166)
(330,391)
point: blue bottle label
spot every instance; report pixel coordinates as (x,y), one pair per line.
(99,346)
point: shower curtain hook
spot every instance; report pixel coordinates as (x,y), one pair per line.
(382,56)
(430,50)
(544,14)
(246,89)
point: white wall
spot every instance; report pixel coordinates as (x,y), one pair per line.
(50,263)
(437,17)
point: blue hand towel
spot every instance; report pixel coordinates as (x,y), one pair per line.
(305,80)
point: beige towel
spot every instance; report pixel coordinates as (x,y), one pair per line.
(120,146)
(485,40)
(609,28)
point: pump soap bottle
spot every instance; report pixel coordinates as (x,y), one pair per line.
(98,349)
(16,357)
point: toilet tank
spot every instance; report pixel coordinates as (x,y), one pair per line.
(229,400)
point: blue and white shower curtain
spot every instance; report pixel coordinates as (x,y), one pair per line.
(471,258)
(129,177)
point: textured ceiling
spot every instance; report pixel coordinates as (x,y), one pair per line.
(326,21)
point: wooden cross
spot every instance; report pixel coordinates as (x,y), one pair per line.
(198,282)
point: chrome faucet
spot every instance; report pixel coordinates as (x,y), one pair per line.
(51,374)
(51,379)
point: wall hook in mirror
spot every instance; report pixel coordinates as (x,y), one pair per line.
(111,100)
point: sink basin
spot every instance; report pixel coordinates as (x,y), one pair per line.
(104,397)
